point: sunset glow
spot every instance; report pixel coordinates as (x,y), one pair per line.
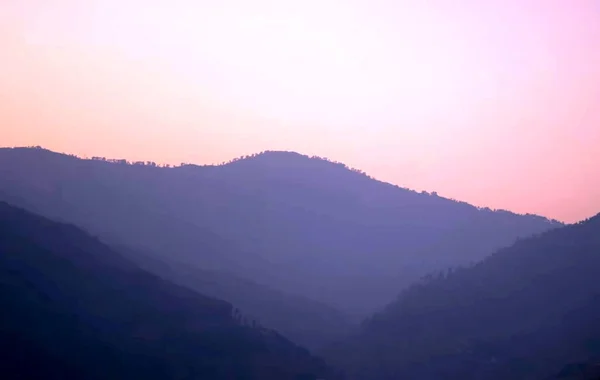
(496,103)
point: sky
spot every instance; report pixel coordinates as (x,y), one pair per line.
(493,102)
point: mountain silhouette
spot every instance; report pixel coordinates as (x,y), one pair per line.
(303,225)
(72,308)
(519,314)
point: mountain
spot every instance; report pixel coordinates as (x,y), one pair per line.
(72,308)
(519,314)
(305,226)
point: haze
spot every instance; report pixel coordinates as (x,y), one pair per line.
(494,103)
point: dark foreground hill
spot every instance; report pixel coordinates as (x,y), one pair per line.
(588,370)
(74,309)
(302,225)
(520,314)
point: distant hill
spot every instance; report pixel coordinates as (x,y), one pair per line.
(520,314)
(303,225)
(74,309)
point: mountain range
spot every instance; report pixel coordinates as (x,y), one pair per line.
(306,226)
(122,269)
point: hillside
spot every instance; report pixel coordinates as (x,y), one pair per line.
(519,314)
(306,322)
(73,308)
(588,370)
(303,225)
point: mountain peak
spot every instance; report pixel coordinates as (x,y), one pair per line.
(280,158)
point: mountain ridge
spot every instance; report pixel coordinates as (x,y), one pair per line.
(310,227)
(288,155)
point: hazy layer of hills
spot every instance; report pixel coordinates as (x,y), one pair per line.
(304,226)
(303,245)
(72,308)
(520,314)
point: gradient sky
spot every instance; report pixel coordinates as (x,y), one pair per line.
(494,102)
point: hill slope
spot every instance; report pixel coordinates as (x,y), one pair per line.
(517,315)
(73,308)
(304,225)
(306,322)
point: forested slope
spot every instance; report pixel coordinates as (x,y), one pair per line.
(520,314)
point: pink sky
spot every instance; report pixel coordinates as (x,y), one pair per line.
(493,102)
